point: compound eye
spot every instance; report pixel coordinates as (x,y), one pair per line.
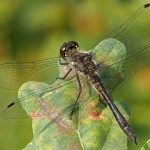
(63,50)
(73,44)
(68,48)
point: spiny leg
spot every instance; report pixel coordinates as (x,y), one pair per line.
(80,90)
(65,76)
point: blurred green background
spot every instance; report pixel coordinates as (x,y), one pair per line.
(32,30)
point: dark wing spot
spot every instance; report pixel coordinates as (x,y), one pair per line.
(146,5)
(11,104)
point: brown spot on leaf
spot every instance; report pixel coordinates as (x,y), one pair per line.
(74,146)
(64,127)
(94,115)
(117,76)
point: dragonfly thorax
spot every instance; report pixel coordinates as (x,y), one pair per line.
(82,62)
(68,49)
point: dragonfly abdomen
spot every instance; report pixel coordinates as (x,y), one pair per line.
(97,83)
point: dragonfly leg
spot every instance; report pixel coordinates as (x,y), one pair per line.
(80,90)
(65,76)
(62,63)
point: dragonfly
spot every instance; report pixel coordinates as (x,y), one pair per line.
(98,68)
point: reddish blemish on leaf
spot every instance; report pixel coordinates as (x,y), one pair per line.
(34,115)
(94,115)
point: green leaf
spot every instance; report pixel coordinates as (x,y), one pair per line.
(146,146)
(95,128)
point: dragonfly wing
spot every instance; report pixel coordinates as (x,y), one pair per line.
(27,102)
(134,34)
(33,95)
(51,104)
(12,76)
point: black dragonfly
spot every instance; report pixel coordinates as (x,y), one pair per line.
(103,70)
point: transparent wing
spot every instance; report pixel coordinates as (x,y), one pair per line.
(38,96)
(29,101)
(12,75)
(134,34)
(52,105)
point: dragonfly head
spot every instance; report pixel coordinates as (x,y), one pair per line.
(69,48)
